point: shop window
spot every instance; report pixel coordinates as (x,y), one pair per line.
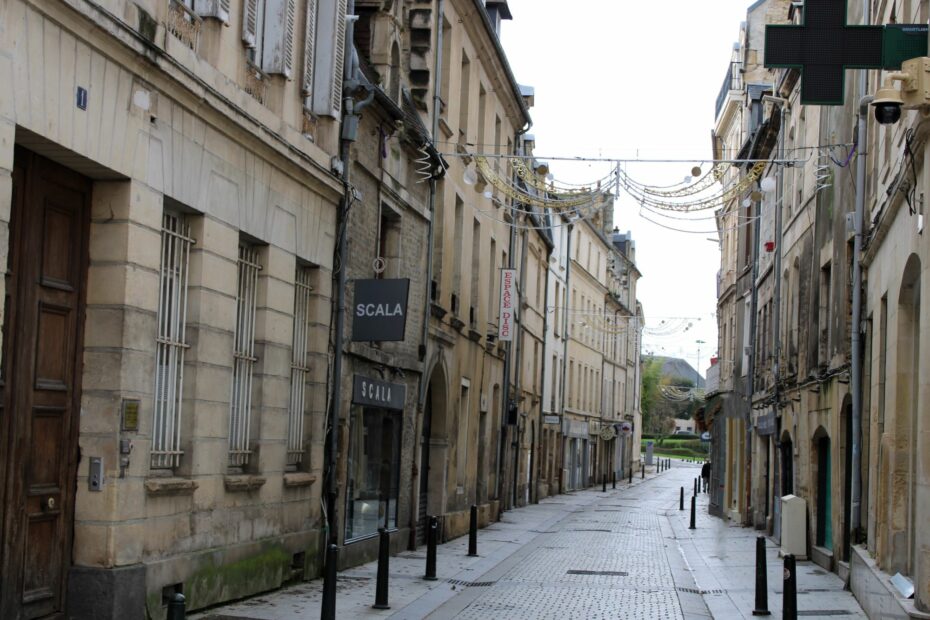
(373,471)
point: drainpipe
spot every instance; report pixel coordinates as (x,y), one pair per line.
(565,311)
(349,129)
(534,461)
(750,375)
(776,320)
(855,386)
(518,374)
(427,297)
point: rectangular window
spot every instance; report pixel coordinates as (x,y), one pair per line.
(300,366)
(461,459)
(464,96)
(170,343)
(438,238)
(389,246)
(824,320)
(475,270)
(493,301)
(240,404)
(457,249)
(373,471)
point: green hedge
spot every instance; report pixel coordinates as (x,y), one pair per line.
(682,452)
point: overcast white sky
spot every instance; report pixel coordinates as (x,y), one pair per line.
(625,79)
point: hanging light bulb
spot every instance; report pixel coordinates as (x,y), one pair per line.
(767,185)
(488,194)
(471,175)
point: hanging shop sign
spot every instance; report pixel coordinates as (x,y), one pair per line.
(373,393)
(379,312)
(608,432)
(552,419)
(508,308)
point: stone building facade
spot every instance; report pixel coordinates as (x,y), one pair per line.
(803,424)
(165,363)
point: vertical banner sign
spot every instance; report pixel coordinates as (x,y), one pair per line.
(508,304)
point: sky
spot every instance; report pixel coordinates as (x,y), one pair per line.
(626,79)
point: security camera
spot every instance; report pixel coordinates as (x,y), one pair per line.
(887,112)
(888,102)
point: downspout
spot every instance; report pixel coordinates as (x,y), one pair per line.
(518,374)
(348,131)
(565,310)
(427,297)
(535,462)
(750,375)
(855,379)
(855,496)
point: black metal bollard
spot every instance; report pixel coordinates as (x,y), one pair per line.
(631,475)
(693,500)
(642,472)
(328,610)
(473,533)
(615,478)
(695,487)
(384,558)
(176,607)
(762,584)
(681,499)
(790,604)
(432,539)
(604,483)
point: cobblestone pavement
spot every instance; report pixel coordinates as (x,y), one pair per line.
(626,553)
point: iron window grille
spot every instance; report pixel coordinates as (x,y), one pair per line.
(300,369)
(240,404)
(170,344)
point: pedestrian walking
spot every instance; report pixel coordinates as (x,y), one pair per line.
(705,475)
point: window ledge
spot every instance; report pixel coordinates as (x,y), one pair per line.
(245,483)
(170,486)
(295,480)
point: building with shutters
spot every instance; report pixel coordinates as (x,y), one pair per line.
(168,208)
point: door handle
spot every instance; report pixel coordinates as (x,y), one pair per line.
(49,503)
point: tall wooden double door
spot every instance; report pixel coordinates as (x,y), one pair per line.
(40,384)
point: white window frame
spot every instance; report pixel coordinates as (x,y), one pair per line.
(170,344)
(240,402)
(300,365)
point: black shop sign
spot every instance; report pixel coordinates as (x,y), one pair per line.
(379,311)
(373,393)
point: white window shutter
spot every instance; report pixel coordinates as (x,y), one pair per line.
(217,9)
(278,39)
(330,58)
(250,22)
(309,45)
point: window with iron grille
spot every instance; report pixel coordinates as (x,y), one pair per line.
(300,370)
(170,344)
(240,404)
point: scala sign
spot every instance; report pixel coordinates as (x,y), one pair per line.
(373,393)
(379,311)
(508,304)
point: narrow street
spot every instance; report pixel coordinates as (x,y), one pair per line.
(626,553)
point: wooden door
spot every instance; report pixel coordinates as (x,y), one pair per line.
(41,384)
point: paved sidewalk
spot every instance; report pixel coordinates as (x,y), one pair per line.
(626,553)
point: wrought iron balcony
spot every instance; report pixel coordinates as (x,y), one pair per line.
(732,81)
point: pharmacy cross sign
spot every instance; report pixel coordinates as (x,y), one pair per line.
(823,48)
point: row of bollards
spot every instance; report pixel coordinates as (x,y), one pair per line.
(790,595)
(432,544)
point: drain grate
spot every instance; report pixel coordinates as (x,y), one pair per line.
(603,573)
(825,612)
(701,592)
(589,530)
(471,584)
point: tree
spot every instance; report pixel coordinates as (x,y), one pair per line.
(649,393)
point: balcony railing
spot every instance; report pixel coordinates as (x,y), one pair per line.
(732,81)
